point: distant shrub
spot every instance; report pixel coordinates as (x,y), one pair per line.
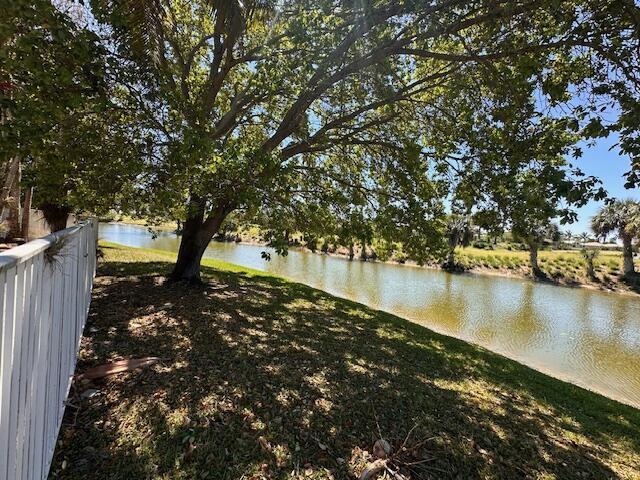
(294,242)
(383,254)
(383,249)
(466,262)
(516,246)
(557,274)
(399,256)
(312,244)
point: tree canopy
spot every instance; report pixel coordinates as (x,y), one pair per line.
(62,120)
(330,105)
(353,118)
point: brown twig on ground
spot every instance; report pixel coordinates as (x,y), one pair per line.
(401,463)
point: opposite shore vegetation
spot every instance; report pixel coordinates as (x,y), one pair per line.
(561,265)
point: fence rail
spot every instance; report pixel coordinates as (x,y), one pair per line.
(45,291)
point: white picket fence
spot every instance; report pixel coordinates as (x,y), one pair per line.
(45,291)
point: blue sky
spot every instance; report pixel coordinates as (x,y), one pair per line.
(609,166)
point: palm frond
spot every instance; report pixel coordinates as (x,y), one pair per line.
(619,215)
(139,23)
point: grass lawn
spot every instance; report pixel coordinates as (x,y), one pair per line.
(262,378)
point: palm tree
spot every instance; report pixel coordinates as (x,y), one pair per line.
(621,217)
(553,234)
(583,237)
(458,233)
(568,236)
(141,22)
(589,256)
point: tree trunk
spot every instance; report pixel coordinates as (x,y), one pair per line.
(55,215)
(10,173)
(26,213)
(533,258)
(627,255)
(351,252)
(10,199)
(363,252)
(451,257)
(591,271)
(197,232)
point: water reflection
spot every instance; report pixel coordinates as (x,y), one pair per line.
(588,337)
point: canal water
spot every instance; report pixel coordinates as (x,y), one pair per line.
(587,337)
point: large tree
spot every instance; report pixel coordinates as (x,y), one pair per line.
(514,169)
(458,234)
(252,103)
(73,143)
(510,159)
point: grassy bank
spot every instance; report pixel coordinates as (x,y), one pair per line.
(264,378)
(563,266)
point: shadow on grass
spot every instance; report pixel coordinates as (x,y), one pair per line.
(263,378)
